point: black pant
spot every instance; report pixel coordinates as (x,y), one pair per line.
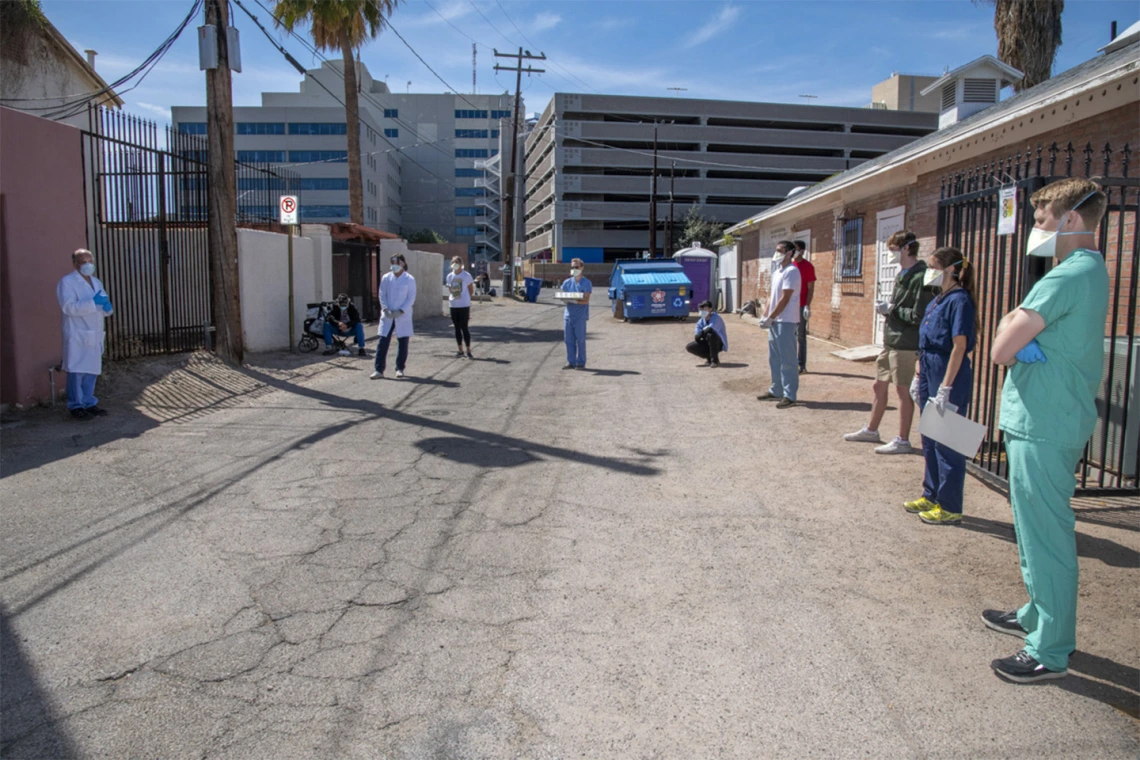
(459,317)
(381,360)
(707,346)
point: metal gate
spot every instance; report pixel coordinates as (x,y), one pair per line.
(968,219)
(146,225)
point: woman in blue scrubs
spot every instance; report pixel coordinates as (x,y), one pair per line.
(945,377)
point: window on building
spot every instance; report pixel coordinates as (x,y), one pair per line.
(324,156)
(261,183)
(317,128)
(500,114)
(323,183)
(261,156)
(476,134)
(461,231)
(467,114)
(391,133)
(315,213)
(470,173)
(851,262)
(259,128)
(494,151)
(470,192)
(494,134)
(192,128)
(470,152)
(391,113)
(470,211)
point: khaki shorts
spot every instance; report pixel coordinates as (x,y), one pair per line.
(896,367)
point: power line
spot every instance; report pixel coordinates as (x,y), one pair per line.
(531,42)
(505,37)
(429,68)
(453,26)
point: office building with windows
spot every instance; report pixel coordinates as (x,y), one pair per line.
(589,162)
(422,153)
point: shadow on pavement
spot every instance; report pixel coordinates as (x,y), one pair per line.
(730,365)
(1106,672)
(25,712)
(467,451)
(428,381)
(836,374)
(610,372)
(1092,547)
(837,406)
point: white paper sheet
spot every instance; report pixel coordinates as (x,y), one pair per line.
(951,429)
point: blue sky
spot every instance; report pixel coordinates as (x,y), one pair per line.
(758,50)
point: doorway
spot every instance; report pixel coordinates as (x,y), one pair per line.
(886,270)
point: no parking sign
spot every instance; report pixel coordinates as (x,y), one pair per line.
(289,209)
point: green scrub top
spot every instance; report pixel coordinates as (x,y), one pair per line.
(1055,401)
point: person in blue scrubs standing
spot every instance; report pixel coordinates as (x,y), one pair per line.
(577,313)
(1053,344)
(945,339)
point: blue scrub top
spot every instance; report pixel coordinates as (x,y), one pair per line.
(717,325)
(947,317)
(577,311)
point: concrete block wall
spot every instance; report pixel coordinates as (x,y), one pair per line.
(264,273)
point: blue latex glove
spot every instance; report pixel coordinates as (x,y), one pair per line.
(1031,353)
(107,307)
(101,299)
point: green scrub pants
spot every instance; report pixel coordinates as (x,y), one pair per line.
(1041,485)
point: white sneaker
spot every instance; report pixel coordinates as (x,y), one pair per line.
(376,376)
(399,374)
(864,436)
(896,446)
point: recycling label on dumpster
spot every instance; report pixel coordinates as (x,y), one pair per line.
(678,302)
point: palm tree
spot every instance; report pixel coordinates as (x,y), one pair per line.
(343,25)
(1029,33)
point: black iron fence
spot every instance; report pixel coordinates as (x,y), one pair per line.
(146,190)
(968,216)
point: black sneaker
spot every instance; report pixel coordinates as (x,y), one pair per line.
(328,351)
(1004,622)
(567,366)
(769,397)
(785,402)
(82,415)
(1021,668)
(470,355)
(459,354)
(96,411)
(361,352)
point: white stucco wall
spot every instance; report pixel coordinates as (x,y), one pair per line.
(427,268)
(322,262)
(264,271)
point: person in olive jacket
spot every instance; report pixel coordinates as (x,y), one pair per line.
(902,315)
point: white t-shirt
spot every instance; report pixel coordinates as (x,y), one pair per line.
(787,278)
(458,294)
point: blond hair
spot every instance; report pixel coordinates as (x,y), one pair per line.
(1063,196)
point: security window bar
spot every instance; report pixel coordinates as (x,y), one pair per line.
(851,263)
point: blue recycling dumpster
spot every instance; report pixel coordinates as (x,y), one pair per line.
(649,288)
(532,285)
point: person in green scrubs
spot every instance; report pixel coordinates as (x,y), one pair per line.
(1053,345)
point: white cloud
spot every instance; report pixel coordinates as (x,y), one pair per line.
(160,111)
(612,24)
(449,11)
(721,22)
(544,21)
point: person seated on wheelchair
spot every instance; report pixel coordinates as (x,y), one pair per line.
(710,336)
(343,319)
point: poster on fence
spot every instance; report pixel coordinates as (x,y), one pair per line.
(1007,213)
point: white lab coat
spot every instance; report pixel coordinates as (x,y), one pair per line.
(83,332)
(397,294)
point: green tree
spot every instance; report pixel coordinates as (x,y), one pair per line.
(1028,33)
(342,25)
(697,228)
(426,235)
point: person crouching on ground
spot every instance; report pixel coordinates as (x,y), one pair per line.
(710,336)
(1053,344)
(460,288)
(576,316)
(782,321)
(85,305)
(344,317)
(946,378)
(397,295)
(902,314)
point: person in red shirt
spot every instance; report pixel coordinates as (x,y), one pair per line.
(807,278)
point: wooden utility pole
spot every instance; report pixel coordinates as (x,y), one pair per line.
(222,217)
(672,244)
(508,236)
(653,199)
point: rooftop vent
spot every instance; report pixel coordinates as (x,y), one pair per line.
(971,88)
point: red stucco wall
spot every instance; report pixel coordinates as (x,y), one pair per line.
(41,223)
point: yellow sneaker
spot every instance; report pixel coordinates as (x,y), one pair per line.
(939,516)
(921,504)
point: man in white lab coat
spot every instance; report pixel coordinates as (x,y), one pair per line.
(85,305)
(397,295)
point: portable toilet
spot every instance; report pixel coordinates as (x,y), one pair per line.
(649,288)
(700,266)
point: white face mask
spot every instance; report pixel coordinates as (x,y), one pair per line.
(575,272)
(456,267)
(704,313)
(933,277)
(87,269)
(896,256)
(396,268)
(1043,243)
(778,258)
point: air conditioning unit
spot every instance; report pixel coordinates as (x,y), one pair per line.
(1110,409)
